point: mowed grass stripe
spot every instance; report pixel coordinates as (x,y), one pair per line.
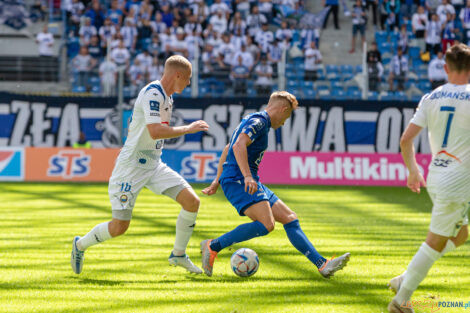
(381,227)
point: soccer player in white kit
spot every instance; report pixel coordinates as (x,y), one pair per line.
(446,113)
(138,165)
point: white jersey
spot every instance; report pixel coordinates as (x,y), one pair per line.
(152,106)
(446,113)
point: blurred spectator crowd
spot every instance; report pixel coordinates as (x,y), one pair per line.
(238,44)
(411,39)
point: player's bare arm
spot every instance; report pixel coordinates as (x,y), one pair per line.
(212,189)
(163,131)
(241,155)
(415,179)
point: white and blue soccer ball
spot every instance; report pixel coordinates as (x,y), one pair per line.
(244,262)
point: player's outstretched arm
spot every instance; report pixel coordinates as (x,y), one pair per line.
(415,179)
(212,189)
(241,155)
(163,131)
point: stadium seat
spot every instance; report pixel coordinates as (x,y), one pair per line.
(346,69)
(353,94)
(358,69)
(373,95)
(424,85)
(73,46)
(337,85)
(323,93)
(387,96)
(78,89)
(307,84)
(414,52)
(96,89)
(385,47)
(351,89)
(251,92)
(310,94)
(291,75)
(338,94)
(331,68)
(333,76)
(381,36)
(385,61)
(292,83)
(347,76)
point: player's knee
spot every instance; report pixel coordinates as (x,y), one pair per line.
(194,203)
(461,238)
(269,225)
(291,217)
(117,228)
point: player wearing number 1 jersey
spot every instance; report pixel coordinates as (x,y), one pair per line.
(446,114)
(237,174)
(139,165)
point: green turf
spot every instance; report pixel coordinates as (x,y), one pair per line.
(381,227)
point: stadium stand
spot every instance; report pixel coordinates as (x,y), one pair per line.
(213,34)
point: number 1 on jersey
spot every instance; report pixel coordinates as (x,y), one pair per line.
(451,111)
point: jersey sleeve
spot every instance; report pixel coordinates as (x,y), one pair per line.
(420,118)
(254,127)
(151,103)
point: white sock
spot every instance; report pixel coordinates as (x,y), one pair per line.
(417,271)
(450,246)
(97,235)
(184,229)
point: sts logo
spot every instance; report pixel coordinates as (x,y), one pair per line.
(200,166)
(69,164)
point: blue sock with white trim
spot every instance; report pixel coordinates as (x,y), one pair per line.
(242,233)
(300,241)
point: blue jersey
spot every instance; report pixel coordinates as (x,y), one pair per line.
(256,126)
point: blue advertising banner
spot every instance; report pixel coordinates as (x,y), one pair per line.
(195,167)
(11,164)
(318,125)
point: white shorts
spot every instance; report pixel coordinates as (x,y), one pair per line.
(126,182)
(448,216)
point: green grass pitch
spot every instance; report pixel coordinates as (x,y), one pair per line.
(381,227)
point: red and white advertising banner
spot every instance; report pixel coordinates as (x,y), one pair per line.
(366,169)
(62,164)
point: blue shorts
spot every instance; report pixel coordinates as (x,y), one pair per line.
(235,193)
(358,28)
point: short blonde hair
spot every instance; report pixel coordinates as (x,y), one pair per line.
(177,62)
(458,58)
(284,96)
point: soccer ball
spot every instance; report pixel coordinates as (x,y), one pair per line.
(244,262)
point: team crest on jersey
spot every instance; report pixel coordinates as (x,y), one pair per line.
(154,105)
(258,124)
(123,198)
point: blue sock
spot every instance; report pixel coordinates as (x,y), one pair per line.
(300,241)
(242,233)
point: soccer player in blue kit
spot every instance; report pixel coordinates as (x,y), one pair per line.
(237,174)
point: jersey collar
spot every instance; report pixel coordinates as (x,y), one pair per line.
(268,118)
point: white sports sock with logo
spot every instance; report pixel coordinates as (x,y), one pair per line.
(417,271)
(184,229)
(97,235)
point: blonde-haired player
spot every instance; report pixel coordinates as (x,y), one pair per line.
(446,113)
(237,174)
(138,165)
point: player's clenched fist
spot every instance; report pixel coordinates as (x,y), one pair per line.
(197,126)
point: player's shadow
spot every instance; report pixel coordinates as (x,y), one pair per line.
(117,282)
